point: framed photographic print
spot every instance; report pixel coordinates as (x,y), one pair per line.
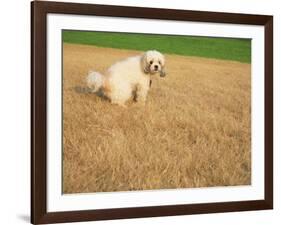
(144,112)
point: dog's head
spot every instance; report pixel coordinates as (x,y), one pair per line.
(153,62)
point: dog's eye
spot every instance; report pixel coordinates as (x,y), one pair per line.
(160,62)
(151,62)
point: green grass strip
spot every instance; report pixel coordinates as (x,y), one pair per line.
(209,47)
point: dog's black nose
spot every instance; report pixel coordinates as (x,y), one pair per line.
(156,67)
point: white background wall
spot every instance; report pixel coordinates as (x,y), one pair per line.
(15,113)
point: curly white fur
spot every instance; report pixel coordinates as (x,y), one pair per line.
(128,76)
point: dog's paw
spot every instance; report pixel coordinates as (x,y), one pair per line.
(122,104)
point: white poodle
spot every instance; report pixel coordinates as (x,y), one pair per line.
(128,78)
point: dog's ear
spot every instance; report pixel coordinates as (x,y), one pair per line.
(162,72)
(144,64)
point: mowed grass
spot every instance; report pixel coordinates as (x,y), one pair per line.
(219,48)
(194,131)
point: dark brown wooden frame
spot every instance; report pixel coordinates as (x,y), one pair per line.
(39,11)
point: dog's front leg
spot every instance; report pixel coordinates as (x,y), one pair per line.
(141,93)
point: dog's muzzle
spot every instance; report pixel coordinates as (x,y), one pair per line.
(156,68)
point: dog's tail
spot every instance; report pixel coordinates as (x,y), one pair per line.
(95,81)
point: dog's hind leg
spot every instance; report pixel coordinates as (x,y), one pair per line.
(120,95)
(116,99)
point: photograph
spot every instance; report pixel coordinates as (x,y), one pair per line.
(154,111)
(147,112)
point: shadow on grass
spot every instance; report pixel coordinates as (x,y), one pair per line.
(86,90)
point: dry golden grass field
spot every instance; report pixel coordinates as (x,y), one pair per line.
(193,132)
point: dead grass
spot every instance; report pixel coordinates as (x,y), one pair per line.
(193,132)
